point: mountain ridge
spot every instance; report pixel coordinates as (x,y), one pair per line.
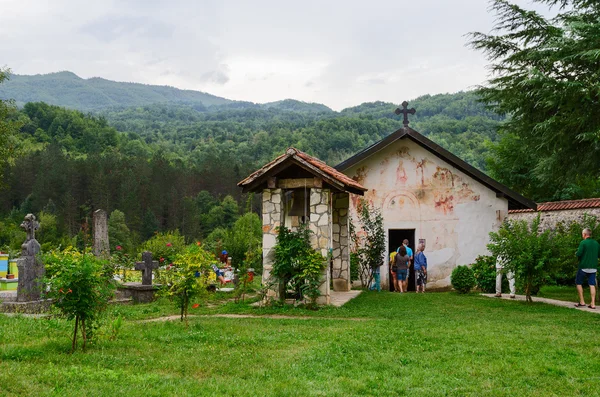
(67,89)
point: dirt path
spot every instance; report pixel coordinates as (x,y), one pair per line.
(252,316)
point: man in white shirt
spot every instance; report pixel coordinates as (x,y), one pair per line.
(509,275)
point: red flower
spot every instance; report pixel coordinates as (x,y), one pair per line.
(60,290)
(119,248)
(169,245)
(195,305)
(198,243)
(69,291)
(162,259)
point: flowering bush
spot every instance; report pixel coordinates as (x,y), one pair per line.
(80,287)
(165,246)
(187,277)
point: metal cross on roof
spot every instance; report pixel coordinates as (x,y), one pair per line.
(406,112)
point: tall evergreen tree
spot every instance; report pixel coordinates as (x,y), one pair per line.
(8,127)
(546,77)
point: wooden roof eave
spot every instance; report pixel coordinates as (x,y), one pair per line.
(287,162)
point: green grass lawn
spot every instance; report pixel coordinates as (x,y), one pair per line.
(436,344)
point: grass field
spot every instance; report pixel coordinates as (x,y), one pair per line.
(436,344)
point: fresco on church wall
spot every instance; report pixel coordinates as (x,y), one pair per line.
(417,190)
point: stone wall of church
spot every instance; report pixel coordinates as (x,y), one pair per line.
(550,219)
(417,190)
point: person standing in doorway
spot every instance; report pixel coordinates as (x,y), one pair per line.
(401,262)
(511,279)
(409,252)
(588,254)
(420,268)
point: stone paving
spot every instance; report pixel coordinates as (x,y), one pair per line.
(567,304)
(8,296)
(339,298)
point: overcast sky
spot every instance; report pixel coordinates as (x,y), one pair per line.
(340,53)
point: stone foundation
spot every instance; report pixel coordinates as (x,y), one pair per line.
(138,292)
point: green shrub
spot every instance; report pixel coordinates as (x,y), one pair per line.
(187,277)
(462,279)
(165,247)
(484,270)
(80,285)
(530,254)
(297,265)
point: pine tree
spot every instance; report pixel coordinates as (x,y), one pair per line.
(546,77)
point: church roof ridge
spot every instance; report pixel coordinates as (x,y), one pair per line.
(313,164)
(515,200)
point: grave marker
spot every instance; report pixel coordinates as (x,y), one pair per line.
(146,266)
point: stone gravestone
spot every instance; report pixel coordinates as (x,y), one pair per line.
(101,246)
(146,266)
(142,292)
(31,269)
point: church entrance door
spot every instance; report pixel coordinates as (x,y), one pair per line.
(395,238)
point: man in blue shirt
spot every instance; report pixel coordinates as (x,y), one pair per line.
(409,252)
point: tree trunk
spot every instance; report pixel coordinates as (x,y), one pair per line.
(75,334)
(182,307)
(282,288)
(83,333)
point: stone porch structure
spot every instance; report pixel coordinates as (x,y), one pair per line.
(297,188)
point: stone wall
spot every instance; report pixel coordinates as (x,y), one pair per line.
(550,219)
(271,213)
(320,225)
(341,253)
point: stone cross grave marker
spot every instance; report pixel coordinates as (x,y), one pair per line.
(406,112)
(101,245)
(146,266)
(31,269)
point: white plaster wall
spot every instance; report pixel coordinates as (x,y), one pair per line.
(417,190)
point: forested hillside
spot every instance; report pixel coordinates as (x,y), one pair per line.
(69,90)
(173,166)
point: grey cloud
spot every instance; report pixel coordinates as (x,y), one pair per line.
(111,27)
(219,76)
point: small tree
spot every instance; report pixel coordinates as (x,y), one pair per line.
(187,278)
(371,243)
(526,252)
(80,287)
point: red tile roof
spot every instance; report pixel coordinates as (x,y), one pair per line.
(563,205)
(311,162)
